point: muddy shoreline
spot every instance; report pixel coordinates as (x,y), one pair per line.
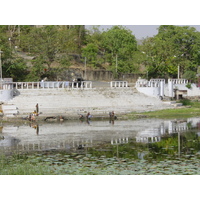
(56,118)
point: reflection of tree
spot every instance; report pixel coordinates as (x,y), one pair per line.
(191,142)
(168,146)
(127,150)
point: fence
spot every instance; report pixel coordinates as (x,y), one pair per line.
(52,84)
(118,84)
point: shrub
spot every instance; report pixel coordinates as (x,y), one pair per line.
(189,86)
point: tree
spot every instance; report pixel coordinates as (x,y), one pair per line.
(12,65)
(45,44)
(17,69)
(119,45)
(173,46)
(90,53)
(48,45)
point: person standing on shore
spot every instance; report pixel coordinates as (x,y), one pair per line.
(37,109)
(88,117)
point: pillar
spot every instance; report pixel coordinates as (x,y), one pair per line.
(162,88)
(170,87)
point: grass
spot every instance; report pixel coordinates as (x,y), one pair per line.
(21,165)
(189,109)
(105,166)
(61,164)
(25,169)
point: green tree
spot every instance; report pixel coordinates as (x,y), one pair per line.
(173,46)
(90,52)
(119,46)
(12,65)
(49,45)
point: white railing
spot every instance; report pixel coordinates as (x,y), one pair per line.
(151,83)
(52,84)
(26,85)
(142,83)
(178,81)
(7,86)
(122,140)
(148,139)
(82,84)
(118,84)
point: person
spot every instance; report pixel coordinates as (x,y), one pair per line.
(29,117)
(37,109)
(32,117)
(112,117)
(88,116)
(61,118)
(81,116)
(34,113)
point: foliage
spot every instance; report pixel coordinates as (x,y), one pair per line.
(119,45)
(17,69)
(180,113)
(186,102)
(115,49)
(172,46)
(188,85)
(90,53)
(190,75)
(168,156)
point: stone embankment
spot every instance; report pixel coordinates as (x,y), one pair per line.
(71,103)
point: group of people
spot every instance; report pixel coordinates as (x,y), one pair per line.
(89,116)
(32,116)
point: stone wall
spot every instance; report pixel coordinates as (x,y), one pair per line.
(102,75)
(95,75)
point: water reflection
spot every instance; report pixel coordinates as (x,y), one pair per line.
(71,135)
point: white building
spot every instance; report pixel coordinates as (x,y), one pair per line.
(174,88)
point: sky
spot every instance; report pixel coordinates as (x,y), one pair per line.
(141,31)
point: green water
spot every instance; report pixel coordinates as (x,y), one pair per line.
(171,153)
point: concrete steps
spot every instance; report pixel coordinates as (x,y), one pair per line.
(10,110)
(96,100)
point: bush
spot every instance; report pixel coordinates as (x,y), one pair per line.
(185,102)
(189,86)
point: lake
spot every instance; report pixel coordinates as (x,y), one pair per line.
(143,146)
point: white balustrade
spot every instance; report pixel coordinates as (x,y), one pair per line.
(52,84)
(178,81)
(151,83)
(119,141)
(148,139)
(7,86)
(118,84)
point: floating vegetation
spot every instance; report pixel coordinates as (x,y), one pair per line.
(172,154)
(66,164)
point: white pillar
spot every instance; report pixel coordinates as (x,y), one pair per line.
(162,88)
(170,87)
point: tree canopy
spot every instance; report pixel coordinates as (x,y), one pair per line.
(173,46)
(54,48)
